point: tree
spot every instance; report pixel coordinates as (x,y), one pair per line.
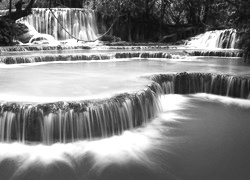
(19,13)
(8,27)
(243,26)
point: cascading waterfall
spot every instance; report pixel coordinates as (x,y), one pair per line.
(80,23)
(86,56)
(150,135)
(73,121)
(225,39)
(218,84)
(217,53)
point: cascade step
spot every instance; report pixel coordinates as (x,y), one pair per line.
(72,121)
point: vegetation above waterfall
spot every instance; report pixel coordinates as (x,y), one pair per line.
(243,25)
(158,20)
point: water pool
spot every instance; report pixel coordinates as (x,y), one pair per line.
(195,137)
(48,82)
(190,136)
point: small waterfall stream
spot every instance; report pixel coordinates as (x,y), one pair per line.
(225,39)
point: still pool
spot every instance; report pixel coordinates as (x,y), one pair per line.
(48,82)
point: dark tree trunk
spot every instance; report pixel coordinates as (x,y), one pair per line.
(8,26)
(10,6)
(206,11)
(163,7)
(145,19)
(94,4)
(129,27)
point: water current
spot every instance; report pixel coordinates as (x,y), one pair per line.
(197,136)
(128,114)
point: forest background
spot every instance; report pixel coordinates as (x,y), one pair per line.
(158,20)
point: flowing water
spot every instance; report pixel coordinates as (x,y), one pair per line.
(79,23)
(198,136)
(225,39)
(123,114)
(60,24)
(195,137)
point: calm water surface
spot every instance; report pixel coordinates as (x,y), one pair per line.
(95,79)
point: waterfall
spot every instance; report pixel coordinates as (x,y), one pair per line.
(225,39)
(108,55)
(218,84)
(72,121)
(217,53)
(80,23)
(86,56)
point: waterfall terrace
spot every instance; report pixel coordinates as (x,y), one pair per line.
(92,111)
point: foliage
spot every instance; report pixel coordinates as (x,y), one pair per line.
(173,12)
(59,3)
(210,14)
(7,32)
(243,25)
(4,4)
(149,19)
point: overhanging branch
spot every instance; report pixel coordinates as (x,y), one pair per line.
(232,3)
(19,13)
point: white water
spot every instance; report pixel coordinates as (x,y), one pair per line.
(215,39)
(47,25)
(195,137)
(79,23)
(186,141)
(198,136)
